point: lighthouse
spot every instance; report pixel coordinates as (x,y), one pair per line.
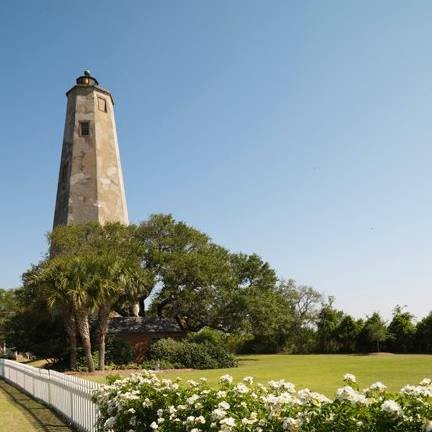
(90,186)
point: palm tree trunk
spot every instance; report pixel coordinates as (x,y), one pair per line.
(83,326)
(103,320)
(71,332)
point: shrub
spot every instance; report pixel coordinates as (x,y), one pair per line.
(146,403)
(118,352)
(186,354)
(208,335)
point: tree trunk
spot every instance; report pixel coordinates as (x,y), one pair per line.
(84,330)
(103,320)
(71,332)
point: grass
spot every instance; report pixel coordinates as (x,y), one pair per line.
(20,413)
(322,373)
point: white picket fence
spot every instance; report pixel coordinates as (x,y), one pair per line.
(68,395)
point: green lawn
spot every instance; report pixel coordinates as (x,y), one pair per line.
(322,373)
(19,413)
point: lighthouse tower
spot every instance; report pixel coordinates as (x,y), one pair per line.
(90,185)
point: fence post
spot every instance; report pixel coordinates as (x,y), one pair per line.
(49,387)
(71,403)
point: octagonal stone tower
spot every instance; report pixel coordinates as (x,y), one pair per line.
(90,186)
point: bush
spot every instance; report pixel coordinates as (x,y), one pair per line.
(146,403)
(118,352)
(207,335)
(186,354)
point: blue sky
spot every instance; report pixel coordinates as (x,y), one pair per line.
(297,130)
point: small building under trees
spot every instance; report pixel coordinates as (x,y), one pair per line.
(140,332)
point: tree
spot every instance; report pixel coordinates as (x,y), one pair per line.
(423,335)
(327,323)
(346,334)
(8,308)
(303,304)
(115,278)
(373,333)
(401,331)
(112,254)
(66,283)
(193,274)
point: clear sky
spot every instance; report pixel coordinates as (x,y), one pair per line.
(298,130)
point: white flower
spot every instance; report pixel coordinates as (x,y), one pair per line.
(378,386)
(290,424)
(218,413)
(428,426)
(425,382)
(109,423)
(147,403)
(224,405)
(241,388)
(248,380)
(226,379)
(229,421)
(350,378)
(191,400)
(391,407)
(347,393)
(154,426)
(200,419)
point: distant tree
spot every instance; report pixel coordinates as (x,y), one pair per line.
(373,334)
(8,308)
(423,335)
(327,323)
(346,334)
(401,331)
(303,305)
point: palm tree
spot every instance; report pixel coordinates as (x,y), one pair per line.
(65,283)
(116,278)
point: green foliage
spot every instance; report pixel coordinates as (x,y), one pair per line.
(373,334)
(111,379)
(192,272)
(8,308)
(185,354)
(209,336)
(327,324)
(33,329)
(401,331)
(424,334)
(346,334)
(119,352)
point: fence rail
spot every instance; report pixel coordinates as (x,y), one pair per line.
(68,395)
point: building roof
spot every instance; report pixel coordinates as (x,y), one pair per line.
(143,325)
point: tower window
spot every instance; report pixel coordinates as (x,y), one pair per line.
(102,104)
(84,128)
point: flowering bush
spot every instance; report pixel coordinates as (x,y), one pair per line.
(144,403)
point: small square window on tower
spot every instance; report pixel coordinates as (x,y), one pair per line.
(84,128)
(102,104)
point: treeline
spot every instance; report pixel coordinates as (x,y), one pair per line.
(337,332)
(91,271)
